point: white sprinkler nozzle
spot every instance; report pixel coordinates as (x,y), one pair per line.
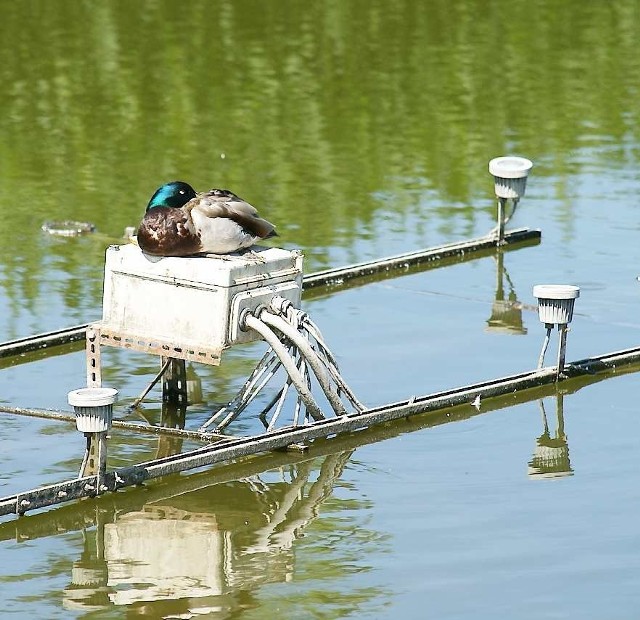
(510,175)
(93,408)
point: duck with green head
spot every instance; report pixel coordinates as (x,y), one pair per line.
(179,222)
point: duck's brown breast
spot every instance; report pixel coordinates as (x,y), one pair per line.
(166,231)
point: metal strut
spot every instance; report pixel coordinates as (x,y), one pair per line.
(503,219)
(297,347)
(562,347)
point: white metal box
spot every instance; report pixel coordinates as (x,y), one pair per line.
(190,305)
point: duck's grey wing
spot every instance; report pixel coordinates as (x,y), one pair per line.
(223,203)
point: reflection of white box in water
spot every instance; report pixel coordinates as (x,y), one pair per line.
(163,552)
(164,558)
(193,302)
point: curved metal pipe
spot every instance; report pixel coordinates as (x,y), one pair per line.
(310,327)
(267,333)
(295,316)
(545,344)
(310,355)
(246,393)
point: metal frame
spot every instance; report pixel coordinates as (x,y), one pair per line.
(228,449)
(99,335)
(94,479)
(337,278)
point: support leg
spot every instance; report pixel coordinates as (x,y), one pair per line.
(562,349)
(95,460)
(545,344)
(174,383)
(502,203)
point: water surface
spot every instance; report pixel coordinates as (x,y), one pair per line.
(362,129)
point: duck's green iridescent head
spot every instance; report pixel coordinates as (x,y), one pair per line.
(174,194)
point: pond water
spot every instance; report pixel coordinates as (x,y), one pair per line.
(362,129)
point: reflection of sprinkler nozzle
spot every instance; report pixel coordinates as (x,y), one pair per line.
(551,455)
(89,576)
(506,317)
(506,314)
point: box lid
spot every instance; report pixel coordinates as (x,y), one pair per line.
(261,263)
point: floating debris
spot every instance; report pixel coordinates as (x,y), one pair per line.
(68,228)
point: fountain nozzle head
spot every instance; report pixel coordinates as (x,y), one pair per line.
(510,176)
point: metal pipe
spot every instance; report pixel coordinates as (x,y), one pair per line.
(545,344)
(332,366)
(302,367)
(247,392)
(230,449)
(242,400)
(514,203)
(310,355)
(85,458)
(278,401)
(336,277)
(155,380)
(256,324)
(43,341)
(341,276)
(311,328)
(286,308)
(298,406)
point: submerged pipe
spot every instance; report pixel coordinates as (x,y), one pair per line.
(62,416)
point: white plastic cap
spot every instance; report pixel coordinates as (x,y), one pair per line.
(555,302)
(510,167)
(92,397)
(556,291)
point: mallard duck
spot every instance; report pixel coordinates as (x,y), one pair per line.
(179,222)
